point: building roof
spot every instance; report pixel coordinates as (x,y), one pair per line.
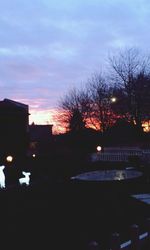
(11,106)
(18,104)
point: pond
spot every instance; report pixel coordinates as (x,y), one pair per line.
(108,175)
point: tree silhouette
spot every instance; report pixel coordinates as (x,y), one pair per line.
(76,122)
(73,109)
(131,73)
(101,114)
(128,82)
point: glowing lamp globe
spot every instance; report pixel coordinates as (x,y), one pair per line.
(99,148)
(9,158)
(113,99)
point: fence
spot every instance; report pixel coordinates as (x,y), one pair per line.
(137,241)
(120,154)
(113,156)
(128,150)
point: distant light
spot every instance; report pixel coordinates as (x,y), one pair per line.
(99,148)
(9,158)
(113,99)
(33,155)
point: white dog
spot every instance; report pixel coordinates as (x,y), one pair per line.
(2,177)
(25,180)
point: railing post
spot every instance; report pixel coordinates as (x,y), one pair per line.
(93,245)
(148,230)
(135,242)
(115,241)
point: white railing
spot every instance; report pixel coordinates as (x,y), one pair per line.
(120,154)
(137,241)
(113,156)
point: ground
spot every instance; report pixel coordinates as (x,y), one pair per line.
(68,215)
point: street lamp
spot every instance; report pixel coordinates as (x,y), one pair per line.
(99,148)
(113,99)
(9,158)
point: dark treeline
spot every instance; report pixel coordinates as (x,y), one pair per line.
(124,93)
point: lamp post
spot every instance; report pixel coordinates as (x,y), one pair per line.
(110,101)
(9,158)
(99,148)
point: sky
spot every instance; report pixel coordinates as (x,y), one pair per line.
(49,47)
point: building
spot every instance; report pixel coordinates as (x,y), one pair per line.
(14,128)
(40,139)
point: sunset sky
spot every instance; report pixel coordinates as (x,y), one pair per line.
(47,47)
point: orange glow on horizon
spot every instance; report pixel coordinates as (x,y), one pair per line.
(46,117)
(40,117)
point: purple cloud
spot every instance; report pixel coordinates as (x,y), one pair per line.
(47,47)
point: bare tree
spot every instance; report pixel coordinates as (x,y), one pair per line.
(120,106)
(127,64)
(74,109)
(76,122)
(141,98)
(101,115)
(89,107)
(92,106)
(130,71)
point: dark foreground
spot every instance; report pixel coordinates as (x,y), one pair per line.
(69,215)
